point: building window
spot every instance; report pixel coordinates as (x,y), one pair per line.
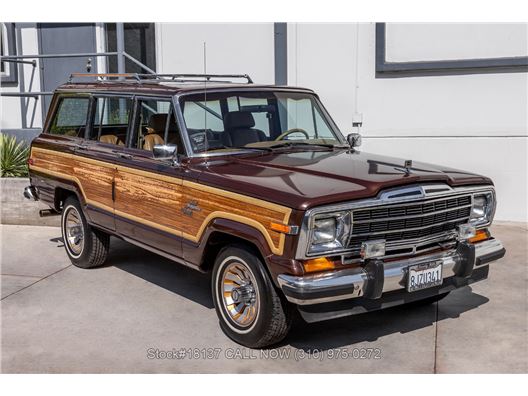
(8,70)
(140,43)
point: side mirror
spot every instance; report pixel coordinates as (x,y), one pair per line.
(164,151)
(354,139)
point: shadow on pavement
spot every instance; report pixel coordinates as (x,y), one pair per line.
(160,271)
(336,333)
(369,327)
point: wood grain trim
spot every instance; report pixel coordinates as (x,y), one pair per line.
(244,198)
(212,193)
(241,219)
(61,175)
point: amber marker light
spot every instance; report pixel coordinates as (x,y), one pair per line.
(318,264)
(480,235)
(283,228)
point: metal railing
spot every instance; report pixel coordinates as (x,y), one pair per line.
(35,61)
(36,94)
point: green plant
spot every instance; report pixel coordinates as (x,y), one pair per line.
(13,157)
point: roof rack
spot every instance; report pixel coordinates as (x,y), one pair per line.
(160,77)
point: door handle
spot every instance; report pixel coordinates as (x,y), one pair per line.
(79,147)
(121,154)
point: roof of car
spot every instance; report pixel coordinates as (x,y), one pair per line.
(151,87)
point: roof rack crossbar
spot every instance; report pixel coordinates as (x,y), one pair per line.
(160,77)
(207,77)
(101,76)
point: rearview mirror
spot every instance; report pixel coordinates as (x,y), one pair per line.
(354,139)
(164,151)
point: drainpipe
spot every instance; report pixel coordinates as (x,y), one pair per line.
(120,37)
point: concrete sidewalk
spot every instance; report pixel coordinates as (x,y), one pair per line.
(126,316)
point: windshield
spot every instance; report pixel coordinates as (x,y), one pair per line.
(228,121)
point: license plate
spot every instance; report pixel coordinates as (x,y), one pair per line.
(422,276)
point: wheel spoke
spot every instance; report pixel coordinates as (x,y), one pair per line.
(74,231)
(240,298)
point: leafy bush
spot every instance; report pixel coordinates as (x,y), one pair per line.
(13,157)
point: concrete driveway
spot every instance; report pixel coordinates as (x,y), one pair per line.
(144,314)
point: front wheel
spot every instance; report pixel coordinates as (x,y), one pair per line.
(86,247)
(248,307)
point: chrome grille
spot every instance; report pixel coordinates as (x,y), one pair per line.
(401,222)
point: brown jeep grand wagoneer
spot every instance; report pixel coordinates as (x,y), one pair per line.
(256,184)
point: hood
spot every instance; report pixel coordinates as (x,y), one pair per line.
(303,179)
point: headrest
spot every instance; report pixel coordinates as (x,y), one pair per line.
(239,119)
(157,122)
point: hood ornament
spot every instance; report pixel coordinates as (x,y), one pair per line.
(408,166)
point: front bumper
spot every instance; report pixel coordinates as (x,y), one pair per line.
(376,278)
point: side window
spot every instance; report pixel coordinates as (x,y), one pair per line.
(156,125)
(111,120)
(70,117)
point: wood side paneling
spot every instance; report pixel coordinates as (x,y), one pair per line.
(158,200)
(149,199)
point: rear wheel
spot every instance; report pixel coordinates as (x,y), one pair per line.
(248,306)
(86,247)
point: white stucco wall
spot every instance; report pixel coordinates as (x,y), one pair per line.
(476,122)
(11,116)
(231,49)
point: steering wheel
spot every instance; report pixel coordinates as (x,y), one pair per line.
(290,131)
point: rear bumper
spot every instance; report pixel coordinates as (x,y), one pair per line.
(31,193)
(377,278)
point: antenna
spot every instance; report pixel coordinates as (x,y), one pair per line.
(205,86)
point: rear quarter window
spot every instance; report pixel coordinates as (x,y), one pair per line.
(70,117)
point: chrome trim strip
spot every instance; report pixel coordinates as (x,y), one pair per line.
(395,274)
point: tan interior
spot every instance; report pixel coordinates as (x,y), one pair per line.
(112,139)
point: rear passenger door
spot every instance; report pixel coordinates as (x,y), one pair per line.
(111,116)
(148,191)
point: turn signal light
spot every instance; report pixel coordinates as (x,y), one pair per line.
(318,264)
(280,228)
(284,229)
(480,235)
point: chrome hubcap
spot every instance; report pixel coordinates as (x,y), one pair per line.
(240,296)
(73,230)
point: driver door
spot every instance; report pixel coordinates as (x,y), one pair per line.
(148,191)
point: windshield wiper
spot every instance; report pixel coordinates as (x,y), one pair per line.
(253,148)
(292,144)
